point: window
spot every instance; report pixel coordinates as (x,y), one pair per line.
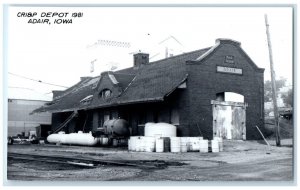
(105,94)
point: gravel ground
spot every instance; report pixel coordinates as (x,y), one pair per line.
(240,161)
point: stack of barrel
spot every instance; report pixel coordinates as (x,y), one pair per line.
(174,144)
(162,137)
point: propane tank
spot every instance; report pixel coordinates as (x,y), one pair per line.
(79,138)
(116,127)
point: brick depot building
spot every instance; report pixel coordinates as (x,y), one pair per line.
(188,90)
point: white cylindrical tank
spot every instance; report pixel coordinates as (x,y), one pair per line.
(175,144)
(81,139)
(57,138)
(148,127)
(54,138)
(73,138)
(203,146)
(159,145)
(160,129)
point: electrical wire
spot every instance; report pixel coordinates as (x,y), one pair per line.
(36,80)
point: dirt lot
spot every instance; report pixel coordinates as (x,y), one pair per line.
(240,161)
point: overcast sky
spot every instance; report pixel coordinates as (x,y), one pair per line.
(62,53)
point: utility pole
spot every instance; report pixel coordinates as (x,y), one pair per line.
(273,81)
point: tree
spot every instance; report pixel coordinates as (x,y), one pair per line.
(268,88)
(288,98)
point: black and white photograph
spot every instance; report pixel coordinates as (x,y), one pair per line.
(149,93)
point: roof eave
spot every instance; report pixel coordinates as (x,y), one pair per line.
(122,103)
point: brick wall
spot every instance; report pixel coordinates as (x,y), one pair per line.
(204,83)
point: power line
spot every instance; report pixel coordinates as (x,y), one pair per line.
(36,80)
(20,87)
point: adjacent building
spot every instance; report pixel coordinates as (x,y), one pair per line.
(193,91)
(21,103)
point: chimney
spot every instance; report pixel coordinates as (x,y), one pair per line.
(140,59)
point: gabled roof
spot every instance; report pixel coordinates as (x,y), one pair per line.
(150,82)
(158,79)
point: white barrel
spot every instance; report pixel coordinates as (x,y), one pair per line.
(139,144)
(133,143)
(220,140)
(159,145)
(194,143)
(149,144)
(175,144)
(104,141)
(244,137)
(203,145)
(214,145)
(115,142)
(167,144)
(129,145)
(142,144)
(184,144)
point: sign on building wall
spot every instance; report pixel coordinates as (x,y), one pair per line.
(229,70)
(229,59)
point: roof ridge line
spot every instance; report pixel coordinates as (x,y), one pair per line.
(208,52)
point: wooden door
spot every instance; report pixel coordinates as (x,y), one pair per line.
(238,122)
(229,120)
